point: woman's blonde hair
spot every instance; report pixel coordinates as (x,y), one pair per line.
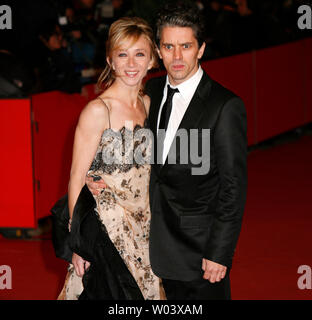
(127,28)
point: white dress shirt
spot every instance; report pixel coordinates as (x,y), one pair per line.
(180,103)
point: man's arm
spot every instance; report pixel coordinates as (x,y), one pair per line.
(230,143)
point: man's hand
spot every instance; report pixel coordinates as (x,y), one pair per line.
(213,271)
(95,186)
(80,264)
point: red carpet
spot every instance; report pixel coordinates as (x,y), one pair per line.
(275,238)
(276,233)
(36,273)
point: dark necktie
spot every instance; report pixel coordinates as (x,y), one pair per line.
(167,107)
(164,118)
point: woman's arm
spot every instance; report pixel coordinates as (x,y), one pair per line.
(92,122)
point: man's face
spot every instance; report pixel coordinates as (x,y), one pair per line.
(179,51)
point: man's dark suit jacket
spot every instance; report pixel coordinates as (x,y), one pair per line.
(199,216)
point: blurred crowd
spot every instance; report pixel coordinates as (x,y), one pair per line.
(60,44)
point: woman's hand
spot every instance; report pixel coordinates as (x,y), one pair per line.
(80,264)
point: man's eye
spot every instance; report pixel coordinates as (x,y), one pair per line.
(168,46)
(186,46)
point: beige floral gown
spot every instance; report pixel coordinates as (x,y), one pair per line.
(123,207)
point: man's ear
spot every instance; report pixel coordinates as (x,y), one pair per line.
(201,50)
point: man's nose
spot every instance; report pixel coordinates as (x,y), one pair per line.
(177,53)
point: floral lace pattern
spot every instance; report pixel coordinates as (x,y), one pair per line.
(123,207)
(123,145)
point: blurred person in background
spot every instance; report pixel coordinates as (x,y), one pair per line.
(54,69)
(16,77)
(222,32)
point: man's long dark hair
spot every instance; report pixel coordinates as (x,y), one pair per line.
(181,15)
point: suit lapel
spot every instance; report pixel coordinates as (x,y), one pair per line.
(195,109)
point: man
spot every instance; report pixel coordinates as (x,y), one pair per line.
(196,219)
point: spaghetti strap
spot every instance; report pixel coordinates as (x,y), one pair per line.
(107,111)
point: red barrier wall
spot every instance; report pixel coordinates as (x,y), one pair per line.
(16,189)
(308,79)
(274,83)
(280,89)
(56,115)
(236,74)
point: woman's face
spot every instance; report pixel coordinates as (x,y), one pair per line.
(132,61)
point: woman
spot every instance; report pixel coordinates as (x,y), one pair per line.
(122,207)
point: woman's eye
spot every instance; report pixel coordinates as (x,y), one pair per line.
(140,54)
(122,55)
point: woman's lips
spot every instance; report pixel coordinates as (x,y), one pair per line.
(131,74)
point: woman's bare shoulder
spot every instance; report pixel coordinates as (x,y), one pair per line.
(95,113)
(110,100)
(98,105)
